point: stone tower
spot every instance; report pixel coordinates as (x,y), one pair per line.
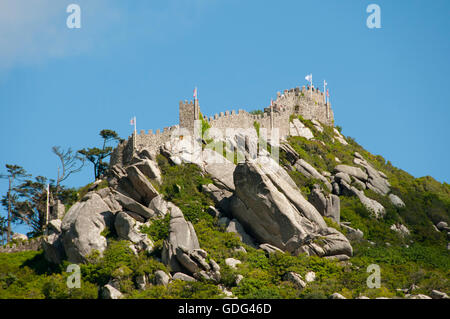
(189,112)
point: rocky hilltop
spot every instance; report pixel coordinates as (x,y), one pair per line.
(292,207)
(302,218)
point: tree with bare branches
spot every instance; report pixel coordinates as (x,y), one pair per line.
(71,162)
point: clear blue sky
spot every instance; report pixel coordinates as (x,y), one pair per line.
(60,86)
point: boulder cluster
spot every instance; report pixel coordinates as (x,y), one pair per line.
(259,201)
(256,199)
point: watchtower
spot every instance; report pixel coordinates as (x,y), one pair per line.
(189,113)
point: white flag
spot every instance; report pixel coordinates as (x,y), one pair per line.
(308,77)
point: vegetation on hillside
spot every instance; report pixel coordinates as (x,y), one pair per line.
(420,259)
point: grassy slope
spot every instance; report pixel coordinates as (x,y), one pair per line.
(420,259)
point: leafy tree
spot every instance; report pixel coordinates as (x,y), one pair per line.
(15,172)
(97,155)
(28,203)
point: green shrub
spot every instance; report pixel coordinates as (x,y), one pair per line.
(158,230)
(182,186)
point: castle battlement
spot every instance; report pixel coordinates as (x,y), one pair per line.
(307,102)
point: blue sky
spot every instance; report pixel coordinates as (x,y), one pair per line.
(61,86)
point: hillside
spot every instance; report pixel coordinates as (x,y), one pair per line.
(173,224)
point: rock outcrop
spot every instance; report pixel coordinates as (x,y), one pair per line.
(235,227)
(82,227)
(109,292)
(400,229)
(396,201)
(161,278)
(295,279)
(339,137)
(297,128)
(181,251)
(127,228)
(326,205)
(275,212)
(341,187)
(52,243)
(309,171)
(181,233)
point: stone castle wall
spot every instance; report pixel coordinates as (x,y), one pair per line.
(123,153)
(15,247)
(307,102)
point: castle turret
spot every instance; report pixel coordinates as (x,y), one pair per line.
(189,113)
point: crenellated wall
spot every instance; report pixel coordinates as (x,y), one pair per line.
(123,153)
(15,247)
(307,102)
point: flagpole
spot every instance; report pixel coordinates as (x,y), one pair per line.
(135,135)
(48,203)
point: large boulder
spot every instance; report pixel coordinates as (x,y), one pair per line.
(127,228)
(235,227)
(82,227)
(219,196)
(436,294)
(442,225)
(219,168)
(52,243)
(232,262)
(377,181)
(181,251)
(130,204)
(161,278)
(337,296)
(343,176)
(181,233)
(327,205)
(119,181)
(109,292)
(108,197)
(291,155)
(150,169)
(275,212)
(396,201)
(352,171)
(400,229)
(297,128)
(270,249)
(159,206)
(309,171)
(194,261)
(183,277)
(352,233)
(339,136)
(141,184)
(295,279)
(370,204)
